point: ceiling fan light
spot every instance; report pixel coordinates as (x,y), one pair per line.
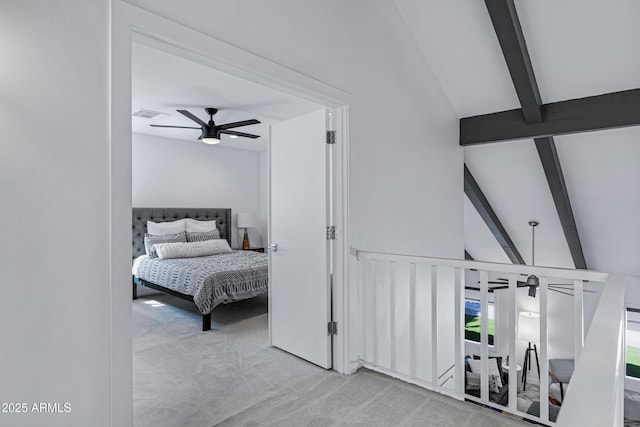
(533,280)
(210,135)
(210,140)
(532,283)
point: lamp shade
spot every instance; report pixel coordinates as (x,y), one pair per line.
(245,220)
(529,326)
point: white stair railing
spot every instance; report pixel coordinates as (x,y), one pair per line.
(595,393)
(411,322)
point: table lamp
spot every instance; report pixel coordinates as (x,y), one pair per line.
(529,331)
(245,220)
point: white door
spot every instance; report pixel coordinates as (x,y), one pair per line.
(299,279)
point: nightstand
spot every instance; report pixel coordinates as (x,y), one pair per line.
(261,250)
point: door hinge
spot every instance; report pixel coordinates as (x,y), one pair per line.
(333,328)
(331,232)
(331,137)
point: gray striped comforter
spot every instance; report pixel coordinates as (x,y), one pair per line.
(211,280)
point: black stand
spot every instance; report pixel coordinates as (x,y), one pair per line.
(527,364)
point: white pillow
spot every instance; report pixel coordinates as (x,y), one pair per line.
(195,226)
(192,249)
(492,368)
(494,380)
(169,227)
(473,382)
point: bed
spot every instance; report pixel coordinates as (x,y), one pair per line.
(207,281)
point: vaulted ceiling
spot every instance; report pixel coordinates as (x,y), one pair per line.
(576,49)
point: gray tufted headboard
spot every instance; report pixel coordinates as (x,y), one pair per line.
(142,215)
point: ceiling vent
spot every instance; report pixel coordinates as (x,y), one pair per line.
(149,114)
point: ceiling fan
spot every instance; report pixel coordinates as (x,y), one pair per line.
(532,281)
(210,131)
(562,288)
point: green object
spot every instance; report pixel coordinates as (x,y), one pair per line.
(633,361)
(472,329)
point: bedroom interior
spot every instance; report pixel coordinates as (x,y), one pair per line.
(433,69)
(187,254)
(234,173)
(215,281)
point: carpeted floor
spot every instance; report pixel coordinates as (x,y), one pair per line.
(231,377)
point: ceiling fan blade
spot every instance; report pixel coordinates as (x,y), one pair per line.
(246,135)
(491,288)
(558,288)
(561,292)
(506,280)
(471,288)
(519,284)
(168,126)
(562,284)
(193,117)
(238,124)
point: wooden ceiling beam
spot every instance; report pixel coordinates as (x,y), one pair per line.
(480,202)
(504,18)
(514,48)
(553,171)
(600,112)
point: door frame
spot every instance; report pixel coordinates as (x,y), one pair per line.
(130,23)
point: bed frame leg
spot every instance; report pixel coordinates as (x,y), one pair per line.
(134,289)
(206,322)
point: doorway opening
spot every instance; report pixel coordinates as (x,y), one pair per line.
(176,172)
(129,22)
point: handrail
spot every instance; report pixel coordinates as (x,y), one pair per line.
(595,393)
(489,266)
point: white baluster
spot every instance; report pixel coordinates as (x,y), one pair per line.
(578,317)
(459,328)
(434,324)
(544,347)
(392,316)
(412,320)
(484,339)
(374,308)
(512,340)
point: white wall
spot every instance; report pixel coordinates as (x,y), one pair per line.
(174,173)
(264,196)
(405,162)
(406,181)
(54,187)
